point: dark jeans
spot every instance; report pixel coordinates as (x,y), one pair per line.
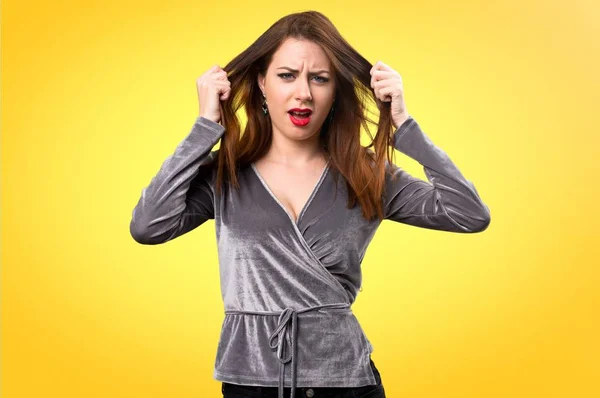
(243,391)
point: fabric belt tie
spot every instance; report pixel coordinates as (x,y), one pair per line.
(286,332)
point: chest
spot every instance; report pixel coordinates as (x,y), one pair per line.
(320,229)
(291,187)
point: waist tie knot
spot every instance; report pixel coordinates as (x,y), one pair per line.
(286,332)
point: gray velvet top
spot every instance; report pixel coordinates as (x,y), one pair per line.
(288,287)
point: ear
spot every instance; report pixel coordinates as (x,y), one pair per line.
(261,83)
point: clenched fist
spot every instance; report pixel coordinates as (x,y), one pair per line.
(213,87)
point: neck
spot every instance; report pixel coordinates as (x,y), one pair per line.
(295,152)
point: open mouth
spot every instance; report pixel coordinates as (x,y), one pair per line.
(300,115)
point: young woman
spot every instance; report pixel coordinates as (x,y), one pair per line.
(296,200)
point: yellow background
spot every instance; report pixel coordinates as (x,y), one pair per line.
(96,94)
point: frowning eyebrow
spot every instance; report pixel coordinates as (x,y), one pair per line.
(296,70)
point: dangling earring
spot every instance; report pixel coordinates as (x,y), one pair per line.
(264,105)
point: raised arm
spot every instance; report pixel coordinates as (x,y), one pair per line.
(447,202)
(179,198)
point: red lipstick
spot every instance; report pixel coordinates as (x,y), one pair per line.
(300,116)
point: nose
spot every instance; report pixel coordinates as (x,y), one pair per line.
(303,91)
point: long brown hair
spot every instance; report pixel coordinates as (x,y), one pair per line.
(362,168)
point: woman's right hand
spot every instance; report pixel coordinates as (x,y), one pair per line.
(213,87)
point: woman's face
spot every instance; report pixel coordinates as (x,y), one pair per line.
(299,76)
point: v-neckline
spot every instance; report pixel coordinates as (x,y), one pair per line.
(308,201)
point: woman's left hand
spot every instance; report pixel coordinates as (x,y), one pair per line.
(387,84)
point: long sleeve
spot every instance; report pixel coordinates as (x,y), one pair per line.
(179,198)
(447,202)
